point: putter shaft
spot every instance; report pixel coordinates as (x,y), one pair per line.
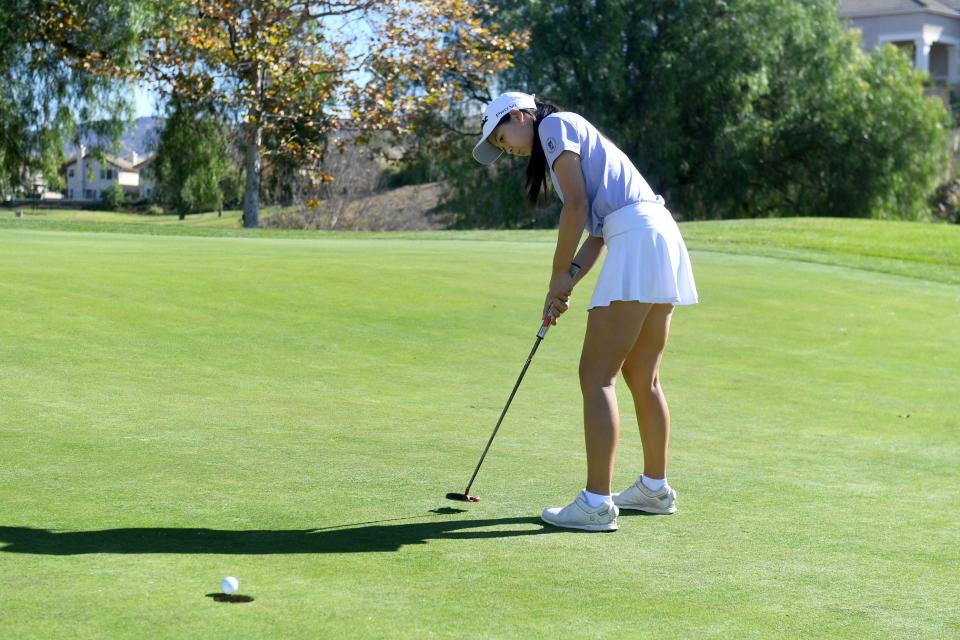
(541,334)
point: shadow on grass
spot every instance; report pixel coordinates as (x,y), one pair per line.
(235,598)
(361,537)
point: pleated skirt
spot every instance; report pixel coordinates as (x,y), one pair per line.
(646,260)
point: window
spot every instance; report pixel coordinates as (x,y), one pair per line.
(106,174)
(70,173)
(88,194)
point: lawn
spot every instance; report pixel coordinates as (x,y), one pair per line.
(290,408)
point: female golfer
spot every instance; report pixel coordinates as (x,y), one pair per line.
(646,273)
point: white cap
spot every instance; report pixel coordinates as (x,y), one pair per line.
(484,152)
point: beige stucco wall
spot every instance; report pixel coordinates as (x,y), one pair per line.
(129,178)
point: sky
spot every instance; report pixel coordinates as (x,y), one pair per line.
(144,101)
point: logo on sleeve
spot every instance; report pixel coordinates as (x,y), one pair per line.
(551,144)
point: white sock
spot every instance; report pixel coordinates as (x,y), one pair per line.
(596,499)
(653,485)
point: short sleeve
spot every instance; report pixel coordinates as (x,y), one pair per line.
(556,136)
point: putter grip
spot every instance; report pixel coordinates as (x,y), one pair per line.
(573,271)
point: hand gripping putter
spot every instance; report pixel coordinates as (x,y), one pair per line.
(541,334)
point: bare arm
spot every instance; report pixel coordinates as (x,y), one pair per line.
(590,250)
(573,218)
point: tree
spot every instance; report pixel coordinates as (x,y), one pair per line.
(194,165)
(112,197)
(741,107)
(62,66)
(489,197)
(293,71)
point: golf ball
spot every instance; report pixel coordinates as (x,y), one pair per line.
(229,585)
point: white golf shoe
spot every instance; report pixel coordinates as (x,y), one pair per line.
(580,515)
(639,498)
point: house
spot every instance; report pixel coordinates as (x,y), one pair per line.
(38,188)
(88,177)
(930,29)
(144,169)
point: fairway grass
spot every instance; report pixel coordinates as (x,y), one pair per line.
(291,410)
(924,251)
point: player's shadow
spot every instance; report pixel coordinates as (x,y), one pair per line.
(364,537)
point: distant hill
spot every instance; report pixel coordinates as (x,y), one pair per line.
(140,138)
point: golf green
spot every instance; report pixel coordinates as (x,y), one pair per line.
(292,410)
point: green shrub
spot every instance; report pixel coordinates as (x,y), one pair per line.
(112,197)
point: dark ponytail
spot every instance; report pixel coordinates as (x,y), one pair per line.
(536,173)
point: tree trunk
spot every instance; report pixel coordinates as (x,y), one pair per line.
(251,198)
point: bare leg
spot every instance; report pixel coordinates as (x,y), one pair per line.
(611,334)
(641,371)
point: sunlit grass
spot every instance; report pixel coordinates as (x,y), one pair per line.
(291,410)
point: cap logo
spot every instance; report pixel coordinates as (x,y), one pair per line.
(551,145)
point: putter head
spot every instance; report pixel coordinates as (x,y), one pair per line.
(462,497)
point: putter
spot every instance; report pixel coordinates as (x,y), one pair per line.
(541,334)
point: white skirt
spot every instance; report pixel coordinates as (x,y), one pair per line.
(646,258)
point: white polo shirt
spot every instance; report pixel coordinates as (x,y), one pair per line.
(611,180)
